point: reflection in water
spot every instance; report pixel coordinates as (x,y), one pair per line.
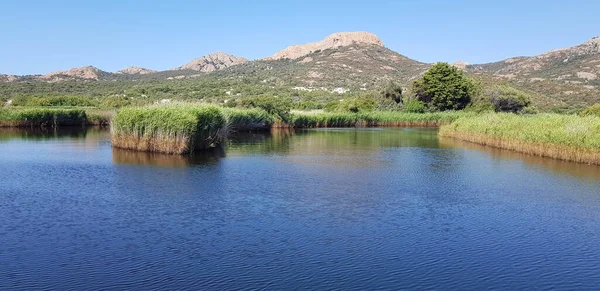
(591,172)
(211,156)
(39,133)
(327,209)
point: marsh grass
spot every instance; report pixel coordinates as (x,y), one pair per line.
(248,119)
(41,117)
(565,137)
(176,129)
(374,119)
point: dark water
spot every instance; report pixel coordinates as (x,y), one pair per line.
(322,209)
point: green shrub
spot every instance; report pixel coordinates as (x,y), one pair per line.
(444,87)
(593,110)
(279,107)
(530,110)
(115,102)
(413,105)
(353,105)
(392,92)
(508,99)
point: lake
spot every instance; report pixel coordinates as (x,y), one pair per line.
(348,209)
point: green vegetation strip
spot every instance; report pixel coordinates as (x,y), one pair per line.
(566,137)
(372,119)
(41,117)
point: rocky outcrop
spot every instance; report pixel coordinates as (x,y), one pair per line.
(8,78)
(136,71)
(85,73)
(333,41)
(460,65)
(213,62)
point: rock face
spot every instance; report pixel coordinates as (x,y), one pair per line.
(136,71)
(85,73)
(213,62)
(460,64)
(333,41)
(8,78)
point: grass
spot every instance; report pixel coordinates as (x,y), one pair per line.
(99,117)
(41,117)
(175,129)
(565,137)
(374,119)
(248,119)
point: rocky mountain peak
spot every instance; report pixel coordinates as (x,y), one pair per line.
(87,72)
(213,62)
(8,78)
(332,41)
(460,64)
(133,70)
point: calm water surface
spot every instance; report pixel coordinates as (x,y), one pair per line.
(319,209)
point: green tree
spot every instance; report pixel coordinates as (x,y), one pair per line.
(390,97)
(444,87)
(508,99)
(393,92)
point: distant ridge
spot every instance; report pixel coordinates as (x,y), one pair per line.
(133,70)
(332,41)
(213,62)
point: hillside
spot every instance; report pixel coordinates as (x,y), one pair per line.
(570,76)
(354,67)
(341,63)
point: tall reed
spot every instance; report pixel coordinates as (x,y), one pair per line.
(41,117)
(566,137)
(373,119)
(176,129)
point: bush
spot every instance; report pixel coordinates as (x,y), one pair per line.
(508,99)
(530,110)
(354,105)
(593,110)
(280,107)
(393,92)
(444,87)
(115,102)
(413,105)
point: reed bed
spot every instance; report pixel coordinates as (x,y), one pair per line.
(248,119)
(41,117)
(565,137)
(176,129)
(374,119)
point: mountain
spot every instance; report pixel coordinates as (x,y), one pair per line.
(213,62)
(136,71)
(333,41)
(8,78)
(340,63)
(353,66)
(87,73)
(570,76)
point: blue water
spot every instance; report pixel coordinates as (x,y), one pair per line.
(320,209)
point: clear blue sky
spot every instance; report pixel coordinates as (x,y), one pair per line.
(43,36)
